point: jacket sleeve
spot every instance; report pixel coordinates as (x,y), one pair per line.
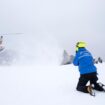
(75,61)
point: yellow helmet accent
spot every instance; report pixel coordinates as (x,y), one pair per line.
(81,44)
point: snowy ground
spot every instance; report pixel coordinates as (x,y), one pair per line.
(45,85)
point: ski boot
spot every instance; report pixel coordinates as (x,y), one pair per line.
(102,86)
(91,90)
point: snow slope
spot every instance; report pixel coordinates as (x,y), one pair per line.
(45,85)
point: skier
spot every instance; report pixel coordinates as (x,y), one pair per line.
(88,71)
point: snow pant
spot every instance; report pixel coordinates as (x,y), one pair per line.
(84,78)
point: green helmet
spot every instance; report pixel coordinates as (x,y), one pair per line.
(80,45)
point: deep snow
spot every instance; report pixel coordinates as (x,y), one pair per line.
(45,85)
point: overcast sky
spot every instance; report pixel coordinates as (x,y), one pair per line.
(67,20)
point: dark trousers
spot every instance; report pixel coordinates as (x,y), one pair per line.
(84,78)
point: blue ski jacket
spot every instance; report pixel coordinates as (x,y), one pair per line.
(84,60)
